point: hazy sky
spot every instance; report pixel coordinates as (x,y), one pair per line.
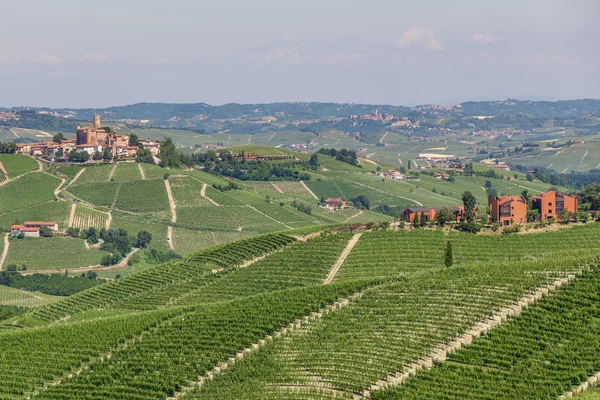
(83,53)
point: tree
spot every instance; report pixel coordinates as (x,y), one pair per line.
(468,169)
(469,202)
(91,235)
(107,155)
(81,156)
(169,156)
(448,259)
(134,141)
(361,202)
(423,221)
(144,156)
(443,217)
(45,231)
(97,156)
(322,201)
(58,138)
(314,161)
(143,239)
(529,177)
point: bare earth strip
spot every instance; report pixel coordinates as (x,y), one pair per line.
(203,194)
(268,216)
(15,133)
(142,171)
(591,382)
(336,267)
(309,191)
(4,250)
(277,187)
(112,172)
(441,353)
(58,188)
(296,325)
(3,169)
(72,215)
(170,237)
(171,201)
(109,219)
(77,177)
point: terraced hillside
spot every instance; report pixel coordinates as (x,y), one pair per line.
(367,314)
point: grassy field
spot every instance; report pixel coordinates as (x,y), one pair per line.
(143,196)
(31,189)
(95,174)
(133,225)
(58,253)
(127,172)
(23,298)
(17,164)
(57,211)
(101,193)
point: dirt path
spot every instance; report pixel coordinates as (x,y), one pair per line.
(342,258)
(203,194)
(77,177)
(383,137)
(368,161)
(15,133)
(214,237)
(582,158)
(361,212)
(384,192)
(40,165)
(109,219)
(440,353)
(308,190)
(58,188)
(170,237)
(98,267)
(142,171)
(300,323)
(4,250)
(268,216)
(72,216)
(3,170)
(171,201)
(112,172)
(277,187)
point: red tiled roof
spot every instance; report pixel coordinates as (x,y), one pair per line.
(30,229)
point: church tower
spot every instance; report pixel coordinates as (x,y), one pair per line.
(96,121)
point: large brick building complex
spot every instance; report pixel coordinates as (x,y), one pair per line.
(508,210)
(551,204)
(410,214)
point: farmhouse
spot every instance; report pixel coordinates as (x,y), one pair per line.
(334,203)
(508,210)
(551,204)
(410,214)
(32,228)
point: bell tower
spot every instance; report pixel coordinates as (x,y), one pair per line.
(96,121)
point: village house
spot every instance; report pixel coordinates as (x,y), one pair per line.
(335,203)
(552,203)
(32,228)
(508,210)
(410,214)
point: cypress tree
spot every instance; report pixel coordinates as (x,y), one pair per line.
(448,255)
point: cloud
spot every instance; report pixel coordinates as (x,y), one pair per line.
(419,37)
(484,38)
(568,61)
(96,57)
(48,59)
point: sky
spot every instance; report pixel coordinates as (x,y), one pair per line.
(82,53)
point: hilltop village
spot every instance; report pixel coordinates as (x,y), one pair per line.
(91,142)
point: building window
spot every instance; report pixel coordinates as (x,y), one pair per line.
(549,211)
(549,204)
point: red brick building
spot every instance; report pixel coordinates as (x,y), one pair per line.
(508,210)
(551,204)
(410,214)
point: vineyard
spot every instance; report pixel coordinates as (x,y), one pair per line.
(86,217)
(274,303)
